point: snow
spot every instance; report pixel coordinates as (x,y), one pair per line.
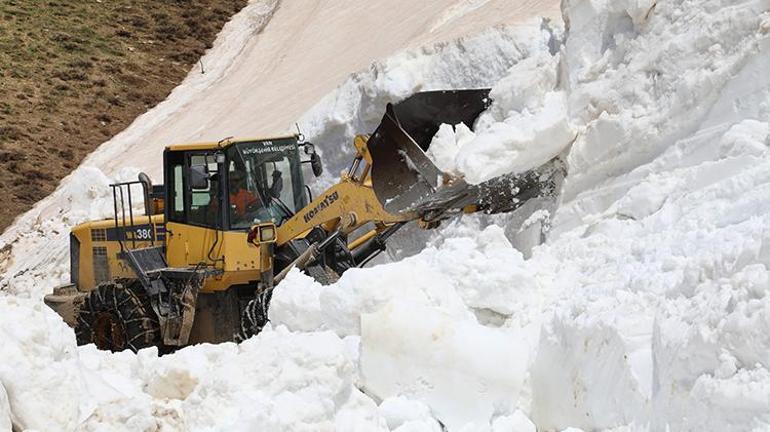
(277,381)
(5,411)
(401,412)
(438,355)
(646,308)
(526,126)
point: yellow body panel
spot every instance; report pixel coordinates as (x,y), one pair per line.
(186,246)
(190,245)
(98,239)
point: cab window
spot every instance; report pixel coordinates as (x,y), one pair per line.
(204,190)
(193,189)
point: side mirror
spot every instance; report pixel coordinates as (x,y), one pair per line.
(315,160)
(199,177)
(277,186)
(315,164)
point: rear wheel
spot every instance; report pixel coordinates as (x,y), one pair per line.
(116,316)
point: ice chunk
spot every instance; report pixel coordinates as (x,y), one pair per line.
(462,370)
(523,141)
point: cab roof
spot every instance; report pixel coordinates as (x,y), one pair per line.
(227,142)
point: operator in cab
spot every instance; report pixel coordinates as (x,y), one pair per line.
(245,205)
(250,205)
(241,198)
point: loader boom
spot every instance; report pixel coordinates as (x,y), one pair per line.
(346,206)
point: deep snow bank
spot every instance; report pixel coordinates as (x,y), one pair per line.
(276,381)
(646,308)
(651,293)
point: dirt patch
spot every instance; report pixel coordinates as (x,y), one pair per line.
(73,73)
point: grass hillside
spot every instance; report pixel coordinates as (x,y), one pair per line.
(75,72)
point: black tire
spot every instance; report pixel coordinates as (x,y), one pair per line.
(254,317)
(116,316)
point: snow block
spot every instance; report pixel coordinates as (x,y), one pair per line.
(463,371)
(592,371)
(5,411)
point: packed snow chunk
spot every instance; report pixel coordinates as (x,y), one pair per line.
(748,137)
(88,195)
(447,143)
(424,425)
(589,351)
(516,422)
(523,141)
(400,410)
(360,291)
(488,272)
(278,380)
(523,88)
(39,367)
(5,411)
(359,413)
(173,383)
(296,303)
(649,195)
(713,348)
(463,371)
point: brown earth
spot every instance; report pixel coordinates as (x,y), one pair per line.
(73,73)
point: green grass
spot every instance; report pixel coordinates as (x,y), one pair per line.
(75,72)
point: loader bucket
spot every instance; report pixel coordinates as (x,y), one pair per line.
(403,177)
(405,180)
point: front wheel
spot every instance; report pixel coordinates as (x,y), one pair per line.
(254,317)
(117,315)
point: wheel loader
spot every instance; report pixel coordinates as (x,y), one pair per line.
(200,261)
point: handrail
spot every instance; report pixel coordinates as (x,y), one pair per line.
(119,193)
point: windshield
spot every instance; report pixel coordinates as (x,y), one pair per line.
(264,182)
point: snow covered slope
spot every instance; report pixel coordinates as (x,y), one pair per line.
(647,307)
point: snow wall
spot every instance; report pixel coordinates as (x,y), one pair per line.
(645,309)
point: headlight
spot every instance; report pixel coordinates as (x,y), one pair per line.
(264,233)
(267,233)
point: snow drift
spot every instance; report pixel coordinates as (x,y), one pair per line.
(646,308)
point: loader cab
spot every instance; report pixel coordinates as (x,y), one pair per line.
(234,187)
(264,181)
(216,192)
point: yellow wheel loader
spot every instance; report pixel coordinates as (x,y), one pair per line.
(231,218)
